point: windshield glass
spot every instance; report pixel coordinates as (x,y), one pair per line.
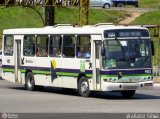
(127,53)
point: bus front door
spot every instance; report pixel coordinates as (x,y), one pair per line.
(96,65)
(17,58)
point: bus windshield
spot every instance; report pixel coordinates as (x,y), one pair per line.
(127,53)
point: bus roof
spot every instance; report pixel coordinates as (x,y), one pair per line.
(66,30)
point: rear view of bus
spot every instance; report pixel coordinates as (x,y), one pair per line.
(127,61)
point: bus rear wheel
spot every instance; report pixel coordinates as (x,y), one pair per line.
(83,87)
(30,83)
(128,93)
(120,5)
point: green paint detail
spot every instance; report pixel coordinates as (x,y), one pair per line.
(71,74)
(89,75)
(7,70)
(82,66)
(23,70)
(67,74)
(108,76)
(57,73)
(41,72)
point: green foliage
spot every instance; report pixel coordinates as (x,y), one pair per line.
(101,16)
(18,17)
(149,3)
(152,17)
(71,15)
(24,17)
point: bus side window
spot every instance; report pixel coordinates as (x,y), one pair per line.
(42,45)
(83,46)
(8,45)
(55,45)
(29,45)
(69,46)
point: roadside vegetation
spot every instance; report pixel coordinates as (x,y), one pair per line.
(19,17)
(70,15)
(149,3)
(152,17)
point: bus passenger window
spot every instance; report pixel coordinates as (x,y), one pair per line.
(55,45)
(69,46)
(83,46)
(8,45)
(29,45)
(42,45)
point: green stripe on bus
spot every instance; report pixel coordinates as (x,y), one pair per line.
(57,73)
(89,75)
(71,74)
(106,76)
(22,70)
(7,70)
(67,74)
(41,72)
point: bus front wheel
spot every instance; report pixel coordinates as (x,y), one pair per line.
(83,87)
(128,93)
(30,83)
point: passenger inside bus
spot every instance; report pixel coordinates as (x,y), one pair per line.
(84,52)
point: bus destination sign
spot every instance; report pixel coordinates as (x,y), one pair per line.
(126,33)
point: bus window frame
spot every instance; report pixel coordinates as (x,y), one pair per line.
(88,35)
(61,36)
(48,37)
(34,46)
(62,54)
(4,40)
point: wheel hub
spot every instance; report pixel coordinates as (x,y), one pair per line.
(30,82)
(84,87)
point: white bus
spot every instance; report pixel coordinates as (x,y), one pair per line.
(89,58)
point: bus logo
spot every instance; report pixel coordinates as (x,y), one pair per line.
(120,75)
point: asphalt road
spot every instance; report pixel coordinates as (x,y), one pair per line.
(14,98)
(129,9)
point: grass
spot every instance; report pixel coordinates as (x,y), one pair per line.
(152,17)
(149,3)
(19,17)
(70,15)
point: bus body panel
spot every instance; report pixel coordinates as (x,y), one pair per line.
(109,86)
(64,72)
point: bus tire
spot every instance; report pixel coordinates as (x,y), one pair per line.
(83,87)
(39,88)
(30,83)
(120,5)
(128,93)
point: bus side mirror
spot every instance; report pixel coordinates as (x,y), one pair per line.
(103,51)
(152,48)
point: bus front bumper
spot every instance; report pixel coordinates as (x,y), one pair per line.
(110,86)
